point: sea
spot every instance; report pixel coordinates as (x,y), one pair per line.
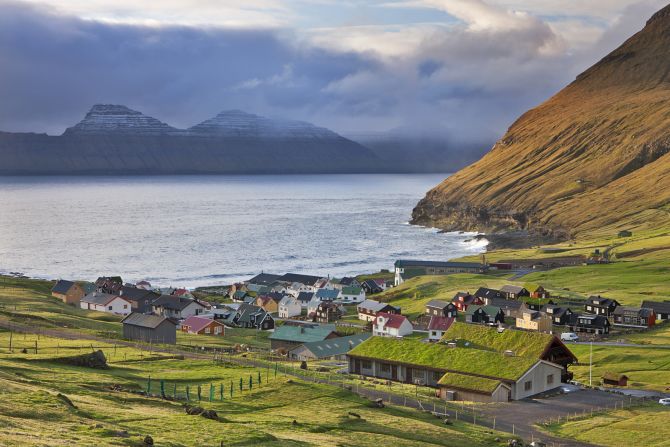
(190,231)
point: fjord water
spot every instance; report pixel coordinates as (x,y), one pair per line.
(204,230)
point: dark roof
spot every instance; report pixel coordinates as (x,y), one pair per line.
(173,302)
(657,306)
(644,312)
(296,277)
(596,320)
(512,289)
(246,311)
(148,321)
(264,279)
(483,292)
(601,301)
(554,309)
(303,334)
(415,263)
(274,296)
(347,280)
(62,286)
(438,303)
(305,297)
(136,294)
(506,304)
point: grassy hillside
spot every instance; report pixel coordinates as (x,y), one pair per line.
(596,154)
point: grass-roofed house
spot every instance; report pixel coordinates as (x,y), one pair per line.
(406,269)
(332,348)
(473,363)
(290,336)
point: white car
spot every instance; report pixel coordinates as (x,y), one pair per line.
(569,336)
(665,401)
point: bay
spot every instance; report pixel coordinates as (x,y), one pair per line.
(204,230)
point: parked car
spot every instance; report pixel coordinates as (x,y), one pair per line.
(569,336)
(665,401)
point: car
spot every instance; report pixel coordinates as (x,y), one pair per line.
(665,401)
(569,336)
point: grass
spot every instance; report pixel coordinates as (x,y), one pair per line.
(32,414)
(647,367)
(646,425)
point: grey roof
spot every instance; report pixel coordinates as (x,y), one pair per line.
(148,321)
(416,263)
(329,294)
(334,346)
(484,292)
(305,297)
(644,312)
(555,309)
(658,306)
(98,298)
(438,303)
(173,302)
(372,305)
(246,311)
(263,279)
(296,277)
(512,289)
(506,304)
(133,293)
(347,280)
(601,301)
(62,286)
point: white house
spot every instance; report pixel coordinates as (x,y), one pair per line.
(352,294)
(391,325)
(289,307)
(105,302)
(313,305)
(296,288)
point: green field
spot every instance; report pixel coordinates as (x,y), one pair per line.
(32,413)
(643,426)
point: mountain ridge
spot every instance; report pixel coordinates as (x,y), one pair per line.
(564,167)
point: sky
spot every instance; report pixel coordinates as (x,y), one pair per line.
(461,68)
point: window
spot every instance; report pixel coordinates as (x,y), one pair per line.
(365,364)
(437,376)
(385,368)
(550,379)
(125,306)
(528,385)
(589,308)
(110,308)
(207,330)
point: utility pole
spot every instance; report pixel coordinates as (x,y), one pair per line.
(591,364)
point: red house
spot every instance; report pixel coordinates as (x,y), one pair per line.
(202,326)
(462,300)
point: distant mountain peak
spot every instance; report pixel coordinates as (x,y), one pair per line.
(118,119)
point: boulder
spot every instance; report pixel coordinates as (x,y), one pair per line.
(148,440)
(95,359)
(193,410)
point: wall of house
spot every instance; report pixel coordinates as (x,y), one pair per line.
(538,375)
(164,333)
(501,394)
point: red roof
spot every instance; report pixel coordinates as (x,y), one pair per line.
(180,292)
(196,324)
(392,320)
(440,323)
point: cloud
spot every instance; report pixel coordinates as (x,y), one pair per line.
(468,77)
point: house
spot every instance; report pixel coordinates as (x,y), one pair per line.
(589,323)
(639,317)
(253,317)
(538,345)
(327,294)
(463,300)
(372,286)
(308,280)
(269,301)
(406,269)
(329,349)
(140,299)
(439,308)
(458,372)
(350,281)
(352,294)
(324,283)
(600,306)
(304,298)
(149,328)
(560,316)
(263,279)
(146,285)
(106,302)
(615,379)
(536,291)
(289,336)
(239,296)
(488,295)
(533,320)
(68,291)
(391,325)
(289,307)
(509,307)
(176,307)
(109,284)
(327,312)
(661,309)
(484,315)
(514,292)
(437,326)
(368,309)
(203,326)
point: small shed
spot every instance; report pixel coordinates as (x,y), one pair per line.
(149,329)
(615,379)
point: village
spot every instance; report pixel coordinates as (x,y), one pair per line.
(488,345)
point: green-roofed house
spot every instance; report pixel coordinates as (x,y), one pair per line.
(459,372)
(352,294)
(536,291)
(332,349)
(290,336)
(485,314)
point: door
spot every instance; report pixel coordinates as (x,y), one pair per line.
(394,372)
(408,375)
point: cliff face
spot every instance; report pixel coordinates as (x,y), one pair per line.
(113,139)
(595,154)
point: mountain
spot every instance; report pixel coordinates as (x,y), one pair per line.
(411,150)
(595,155)
(113,139)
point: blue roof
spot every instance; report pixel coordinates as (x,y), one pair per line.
(328,294)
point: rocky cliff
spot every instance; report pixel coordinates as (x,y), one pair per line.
(596,154)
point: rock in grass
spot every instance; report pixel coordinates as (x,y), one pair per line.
(148,440)
(210,414)
(193,410)
(95,359)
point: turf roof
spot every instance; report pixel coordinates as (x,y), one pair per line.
(522,343)
(467,382)
(441,357)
